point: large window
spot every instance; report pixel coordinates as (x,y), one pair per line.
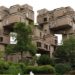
(13,38)
(45,19)
(1,39)
(38,44)
(59,39)
(45,46)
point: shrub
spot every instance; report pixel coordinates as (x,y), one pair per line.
(3,67)
(62,68)
(47,69)
(14,69)
(22,67)
(45,60)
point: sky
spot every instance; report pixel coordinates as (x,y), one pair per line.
(40,4)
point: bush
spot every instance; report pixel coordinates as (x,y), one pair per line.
(45,60)
(14,69)
(47,69)
(22,67)
(3,67)
(62,68)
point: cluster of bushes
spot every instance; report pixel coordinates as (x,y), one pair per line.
(45,60)
(60,68)
(47,69)
(11,68)
(45,66)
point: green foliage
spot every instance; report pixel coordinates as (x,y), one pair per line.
(66,52)
(9,49)
(45,60)
(62,68)
(32,49)
(24,39)
(14,69)
(47,69)
(1,55)
(3,67)
(9,68)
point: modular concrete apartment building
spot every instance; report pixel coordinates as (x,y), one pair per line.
(57,21)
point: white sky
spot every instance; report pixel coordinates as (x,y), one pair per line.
(40,4)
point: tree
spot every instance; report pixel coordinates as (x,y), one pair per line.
(45,60)
(9,50)
(24,39)
(66,52)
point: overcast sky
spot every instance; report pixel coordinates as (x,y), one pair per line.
(40,4)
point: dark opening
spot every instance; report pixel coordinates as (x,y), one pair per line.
(1,39)
(45,46)
(45,19)
(38,44)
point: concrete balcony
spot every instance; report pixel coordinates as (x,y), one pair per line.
(30,15)
(61,23)
(5,39)
(43,18)
(50,39)
(13,19)
(43,46)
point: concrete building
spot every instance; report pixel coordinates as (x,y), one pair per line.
(8,17)
(57,21)
(44,41)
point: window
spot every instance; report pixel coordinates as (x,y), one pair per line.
(1,39)
(21,9)
(13,36)
(45,19)
(38,44)
(45,46)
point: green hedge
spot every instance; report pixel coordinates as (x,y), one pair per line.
(13,68)
(62,68)
(47,69)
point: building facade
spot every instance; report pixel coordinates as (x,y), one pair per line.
(57,21)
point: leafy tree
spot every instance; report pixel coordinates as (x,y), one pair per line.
(66,52)
(24,38)
(9,50)
(45,60)
(62,68)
